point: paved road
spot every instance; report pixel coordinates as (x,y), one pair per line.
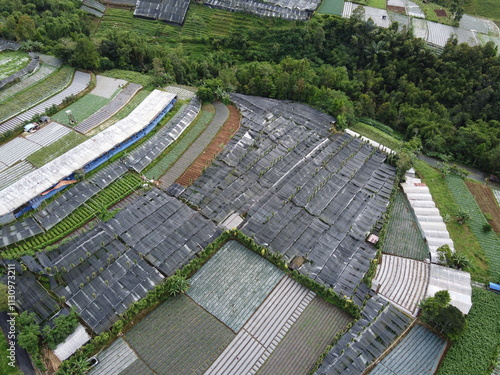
(188,157)
(474,174)
(22,359)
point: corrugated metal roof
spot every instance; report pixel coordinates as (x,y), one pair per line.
(45,177)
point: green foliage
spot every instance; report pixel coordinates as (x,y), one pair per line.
(445,318)
(28,332)
(487,227)
(64,325)
(81,109)
(177,285)
(11,62)
(5,368)
(453,260)
(3,297)
(212,90)
(476,349)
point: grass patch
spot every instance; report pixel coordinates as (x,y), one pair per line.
(380,4)
(488,240)
(334,7)
(377,135)
(59,147)
(11,62)
(36,93)
(176,149)
(484,8)
(130,76)
(82,109)
(475,352)
(464,240)
(5,369)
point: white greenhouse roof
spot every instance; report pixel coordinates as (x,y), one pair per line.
(45,177)
(456,282)
(72,343)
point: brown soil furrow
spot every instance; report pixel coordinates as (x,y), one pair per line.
(486,202)
(229,128)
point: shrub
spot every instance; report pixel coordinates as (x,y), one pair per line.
(487,227)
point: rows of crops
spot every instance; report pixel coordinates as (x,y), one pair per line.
(11,62)
(179,337)
(94,207)
(487,203)
(82,109)
(173,153)
(476,350)
(488,240)
(402,236)
(36,93)
(59,147)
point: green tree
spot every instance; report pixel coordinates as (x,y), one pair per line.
(28,332)
(85,55)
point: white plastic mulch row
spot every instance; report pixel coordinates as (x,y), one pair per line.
(21,147)
(38,75)
(457,283)
(379,146)
(402,281)
(496,193)
(106,86)
(428,217)
(80,81)
(181,93)
(264,330)
(15,173)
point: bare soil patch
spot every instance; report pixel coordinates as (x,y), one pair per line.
(487,202)
(440,12)
(396,9)
(225,133)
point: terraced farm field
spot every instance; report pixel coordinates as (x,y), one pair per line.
(403,238)
(59,147)
(11,62)
(179,337)
(36,93)
(488,240)
(487,202)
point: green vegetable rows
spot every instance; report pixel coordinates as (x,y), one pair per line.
(402,236)
(103,200)
(476,349)
(488,240)
(173,153)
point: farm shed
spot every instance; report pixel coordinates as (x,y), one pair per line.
(89,154)
(72,343)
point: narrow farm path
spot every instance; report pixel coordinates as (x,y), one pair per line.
(229,128)
(221,114)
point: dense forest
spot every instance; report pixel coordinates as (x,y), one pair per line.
(450,99)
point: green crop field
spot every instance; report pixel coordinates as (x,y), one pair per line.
(477,349)
(59,147)
(5,369)
(95,206)
(36,93)
(174,151)
(334,7)
(377,135)
(201,23)
(81,109)
(402,236)
(380,4)
(464,240)
(488,240)
(484,8)
(11,62)
(179,337)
